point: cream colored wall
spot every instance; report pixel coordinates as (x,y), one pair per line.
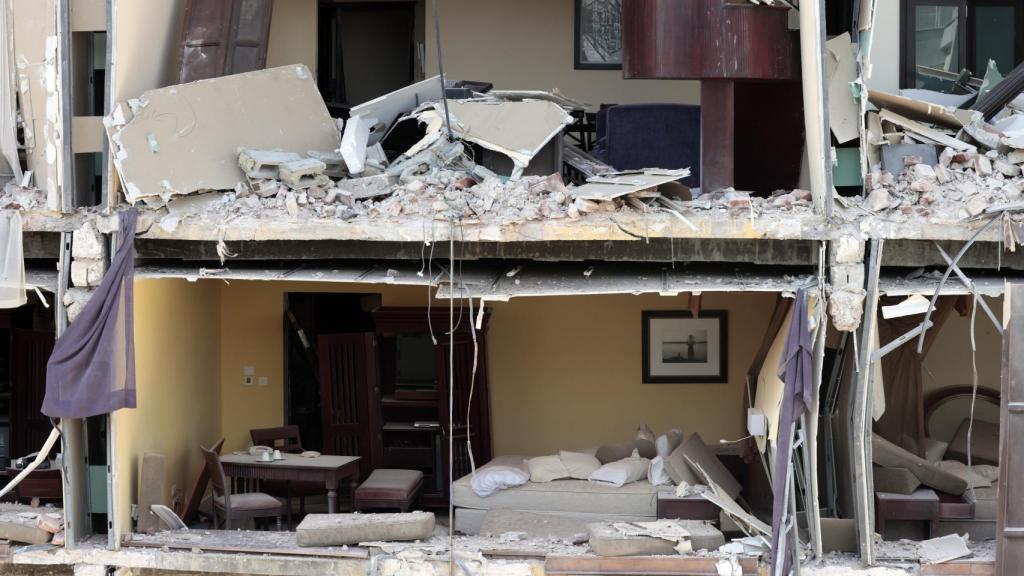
(528,44)
(564,371)
(177,347)
(252,322)
(146,45)
(293,34)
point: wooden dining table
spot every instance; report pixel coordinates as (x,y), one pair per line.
(327,469)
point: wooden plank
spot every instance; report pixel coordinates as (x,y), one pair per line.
(190,508)
(1010,518)
(648,565)
(356,553)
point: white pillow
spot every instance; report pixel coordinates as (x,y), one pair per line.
(579,465)
(490,479)
(656,473)
(622,471)
(668,442)
(546,468)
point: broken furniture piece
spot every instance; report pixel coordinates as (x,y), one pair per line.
(662,537)
(349,529)
(389,488)
(718,43)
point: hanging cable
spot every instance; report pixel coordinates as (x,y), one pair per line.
(451,396)
(974,392)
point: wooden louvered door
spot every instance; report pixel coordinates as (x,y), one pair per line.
(348,372)
(469,401)
(30,350)
(221,37)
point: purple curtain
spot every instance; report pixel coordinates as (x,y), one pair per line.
(796,373)
(92,368)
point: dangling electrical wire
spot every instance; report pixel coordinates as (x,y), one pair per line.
(974,392)
(440,70)
(451,398)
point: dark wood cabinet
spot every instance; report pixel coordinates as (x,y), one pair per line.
(384,396)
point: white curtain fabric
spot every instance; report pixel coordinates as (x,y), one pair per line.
(12,261)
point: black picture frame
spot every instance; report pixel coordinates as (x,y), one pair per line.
(721,374)
(614,30)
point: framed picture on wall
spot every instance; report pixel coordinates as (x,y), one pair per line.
(598,35)
(681,349)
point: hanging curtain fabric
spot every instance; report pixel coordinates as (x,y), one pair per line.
(796,373)
(903,378)
(92,368)
(12,261)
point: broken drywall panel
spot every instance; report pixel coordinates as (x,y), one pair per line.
(925,132)
(35,57)
(770,387)
(390,107)
(263,163)
(355,140)
(923,111)
(199,127)
(843,111)
(611,186)
(88,15)
(944,549)
(913,305)
(553,96)
(516,129)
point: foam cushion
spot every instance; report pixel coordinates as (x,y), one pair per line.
(579,465)
(390,484)
(665,444)
(984,443)
(546,468)
(887,454)
(656,473)
(251,501)
(895,480)
(489,480)
(625,471)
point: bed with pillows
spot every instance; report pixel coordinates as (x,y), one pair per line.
(615,482)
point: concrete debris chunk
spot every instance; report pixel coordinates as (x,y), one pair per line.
(336,167)
(368,187)
(264,164)
(303,173)
(878,200)
(944,549)
(1006,168)
(348,529)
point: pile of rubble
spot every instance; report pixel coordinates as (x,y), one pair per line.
(930,160)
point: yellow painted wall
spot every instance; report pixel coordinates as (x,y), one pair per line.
(293,34)
(177,347)
(528,44)
(252,322)
(564,372)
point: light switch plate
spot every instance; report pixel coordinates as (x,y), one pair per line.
(249,370)
(262,381)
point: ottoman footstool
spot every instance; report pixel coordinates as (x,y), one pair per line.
(389,488)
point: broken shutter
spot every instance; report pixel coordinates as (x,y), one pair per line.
(223,37)
(30,349)
(1010,523)
(462,380)
(348,371)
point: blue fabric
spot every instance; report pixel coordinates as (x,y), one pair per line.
(637,136)
(795,370)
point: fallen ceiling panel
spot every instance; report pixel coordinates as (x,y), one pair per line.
(610,186)
(185,138)
(516,129)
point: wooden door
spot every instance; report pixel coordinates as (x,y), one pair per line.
(348,375)
(30,350)
(464,407)
(222,37)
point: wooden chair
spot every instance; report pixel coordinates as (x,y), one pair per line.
(237,506)
(286,439)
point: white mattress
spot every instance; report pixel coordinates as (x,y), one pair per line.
(575,496)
